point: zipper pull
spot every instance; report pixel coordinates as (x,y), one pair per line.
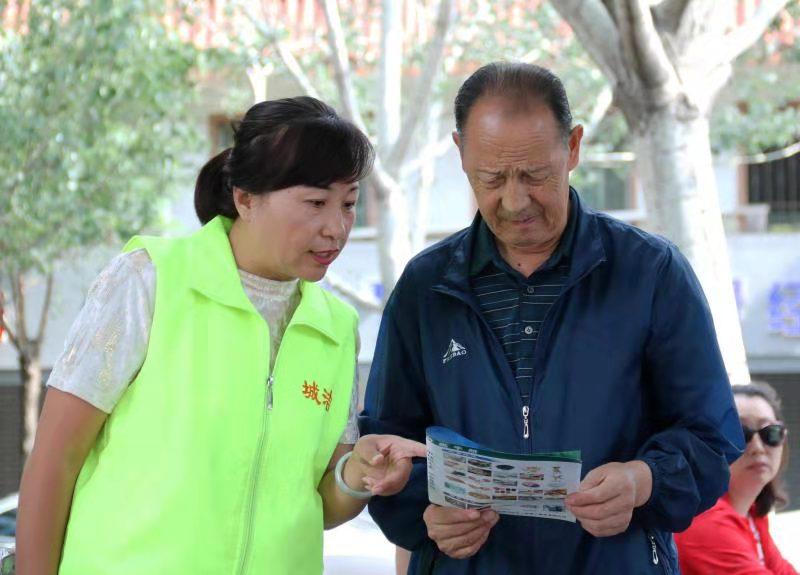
(270,381)
(526,432)
(653,547)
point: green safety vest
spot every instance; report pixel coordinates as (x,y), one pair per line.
(209,463)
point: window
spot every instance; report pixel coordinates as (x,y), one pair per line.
(605,187)
(777,184)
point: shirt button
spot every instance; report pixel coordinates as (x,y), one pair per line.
(530,289)
(528,330)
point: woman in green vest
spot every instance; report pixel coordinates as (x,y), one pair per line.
(202,416)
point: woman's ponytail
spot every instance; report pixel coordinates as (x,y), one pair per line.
(213,193)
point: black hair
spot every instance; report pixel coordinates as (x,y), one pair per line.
(774,493)
(279,144)
(520,82)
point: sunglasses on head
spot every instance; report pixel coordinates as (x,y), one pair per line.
(771,435)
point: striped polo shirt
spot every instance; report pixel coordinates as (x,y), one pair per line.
(513,305)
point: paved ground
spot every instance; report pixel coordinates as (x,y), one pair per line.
(359,548)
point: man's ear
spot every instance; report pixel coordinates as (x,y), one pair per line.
(458,140)
(574,144)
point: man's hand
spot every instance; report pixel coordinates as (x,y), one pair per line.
(381,463)
(607,496)
(459,533)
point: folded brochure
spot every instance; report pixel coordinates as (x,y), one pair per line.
(464,474)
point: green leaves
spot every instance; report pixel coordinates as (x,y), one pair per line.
(94,102)
(757,111)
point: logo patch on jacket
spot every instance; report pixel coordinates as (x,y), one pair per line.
(455,349)
(312,392)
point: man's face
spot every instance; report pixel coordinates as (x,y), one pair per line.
(518,165)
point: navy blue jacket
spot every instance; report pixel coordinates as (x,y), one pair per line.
(627,366)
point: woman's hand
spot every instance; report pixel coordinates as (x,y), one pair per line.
(381,463)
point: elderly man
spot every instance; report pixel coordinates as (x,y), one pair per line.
(546,326)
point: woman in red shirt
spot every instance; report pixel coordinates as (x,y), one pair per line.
(732,538)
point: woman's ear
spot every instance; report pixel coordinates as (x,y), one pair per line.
(244,203)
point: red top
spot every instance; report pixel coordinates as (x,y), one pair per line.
(720,541)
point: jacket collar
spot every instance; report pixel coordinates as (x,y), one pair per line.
(587,250)
(215,275)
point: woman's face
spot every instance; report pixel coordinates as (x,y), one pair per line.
(760,463)
(296,232)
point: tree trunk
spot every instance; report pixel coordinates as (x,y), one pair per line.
(31,373)
(427,178)
(419,223)
(674,160)
(394,234)
(391,71)
(667,62)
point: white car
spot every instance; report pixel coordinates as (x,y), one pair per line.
(8,529)
(8,519)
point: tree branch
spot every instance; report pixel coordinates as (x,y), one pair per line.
(427,178)
(425,85)
(341,63)
(18,294)
(431,151)
(6,327)
(699,33)
(669,14)
(390,75)
(270,35)
(740,39)
(48,296)
(645,48)
(597,32)
(294,68)
(257,74)
(698,17)
(599,111)
(381,180)
(394,233)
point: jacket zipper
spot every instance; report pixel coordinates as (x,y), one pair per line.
(527,406)
(528,401)
(543,342)
(526,432)
(653,549)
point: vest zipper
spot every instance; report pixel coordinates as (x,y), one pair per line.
(254,480)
